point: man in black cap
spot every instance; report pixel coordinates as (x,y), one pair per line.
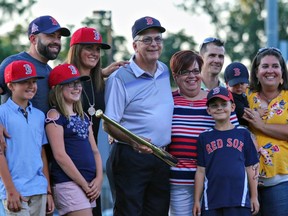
(139,98)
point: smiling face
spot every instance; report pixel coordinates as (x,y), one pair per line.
(189,82)
(213,59)
(220,109)
(90,55)
(48,46)
(23,91)
(72,91)
(269,71)
(148,52)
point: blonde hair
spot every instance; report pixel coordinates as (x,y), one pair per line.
(95,73)
(57,100)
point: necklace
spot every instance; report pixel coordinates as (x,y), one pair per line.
(263,96)
(91,109)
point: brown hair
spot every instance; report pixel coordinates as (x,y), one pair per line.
(182,60)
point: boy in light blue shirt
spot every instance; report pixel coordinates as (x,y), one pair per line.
(24,170)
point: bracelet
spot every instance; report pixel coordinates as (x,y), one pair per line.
(49,193)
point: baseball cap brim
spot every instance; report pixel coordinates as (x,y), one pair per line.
(102,45)
(219,96)
(63,31)
(81,78)
(238,80)
(162,29)
(26,78)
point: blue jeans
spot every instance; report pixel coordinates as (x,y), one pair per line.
(273,200)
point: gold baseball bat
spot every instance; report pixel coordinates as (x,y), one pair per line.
(160,153)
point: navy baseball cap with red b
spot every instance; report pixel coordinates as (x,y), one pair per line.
(219,92)
(63,74)
(87,35)
(146,23)
(20,70)
(236,73)
(47,25)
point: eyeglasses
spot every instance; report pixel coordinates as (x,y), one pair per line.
(74,85)
(212,40)
(187,72)
(261,50)
(149,40)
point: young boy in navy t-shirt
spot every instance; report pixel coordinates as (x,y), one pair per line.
(226,156)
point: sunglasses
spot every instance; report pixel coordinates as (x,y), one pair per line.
(261,50)
(212,40)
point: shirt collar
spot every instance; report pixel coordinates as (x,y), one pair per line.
(139,72)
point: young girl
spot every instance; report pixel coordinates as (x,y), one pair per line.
(76,169)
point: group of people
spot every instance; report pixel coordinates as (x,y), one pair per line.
(219,132)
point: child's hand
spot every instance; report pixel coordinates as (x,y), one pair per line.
(96,187)
(50,204)
(254,205)
(197,209)
(14,200)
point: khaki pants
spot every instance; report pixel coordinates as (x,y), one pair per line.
(36,206)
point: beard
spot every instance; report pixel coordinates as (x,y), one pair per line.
(44,50)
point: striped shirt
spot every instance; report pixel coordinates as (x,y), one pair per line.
(190,118)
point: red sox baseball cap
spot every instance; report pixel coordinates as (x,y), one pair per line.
(236,73)
(146,23)
(88,35)
(20,70)
(64,73)
(46,25)
(219,92)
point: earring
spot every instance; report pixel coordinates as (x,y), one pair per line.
(281,81)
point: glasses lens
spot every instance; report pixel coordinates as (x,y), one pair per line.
(149,40)
(187,72)
(74,84)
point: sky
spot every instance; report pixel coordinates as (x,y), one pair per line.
(124,14)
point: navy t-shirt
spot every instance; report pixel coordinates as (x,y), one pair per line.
(225,154)
(77,146)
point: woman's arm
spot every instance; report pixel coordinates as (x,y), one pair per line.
(277,131)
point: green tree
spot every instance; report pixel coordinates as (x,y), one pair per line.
(239,23)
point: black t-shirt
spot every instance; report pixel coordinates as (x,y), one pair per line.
(241,102)
(99,104)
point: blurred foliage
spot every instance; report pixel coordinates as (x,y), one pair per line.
(239,23)
(11,8)
(10,43)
